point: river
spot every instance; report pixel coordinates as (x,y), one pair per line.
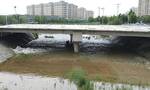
(49,43)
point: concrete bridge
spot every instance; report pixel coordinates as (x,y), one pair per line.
(76,31)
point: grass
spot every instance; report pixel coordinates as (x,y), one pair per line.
(80,78)
(109,68)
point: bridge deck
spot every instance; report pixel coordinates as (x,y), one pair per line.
(122,30)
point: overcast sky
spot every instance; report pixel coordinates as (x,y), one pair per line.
(7,6)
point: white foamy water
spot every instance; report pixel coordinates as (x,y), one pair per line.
(20,50)
(9,81)
(65,37)
(57,40)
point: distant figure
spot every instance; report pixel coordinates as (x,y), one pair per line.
(89,38)
(67,44)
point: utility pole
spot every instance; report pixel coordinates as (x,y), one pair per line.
(99,11)
(118,7)
(17,16)
(6,20)
(103,9)
(15,10)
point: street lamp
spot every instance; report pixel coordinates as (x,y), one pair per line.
(17,16)
(118,7)
(99,10)
(103,9)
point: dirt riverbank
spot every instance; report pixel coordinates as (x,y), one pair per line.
(124,68)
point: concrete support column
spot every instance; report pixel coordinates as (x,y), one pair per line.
(71,38)
(76,38)
(76,47)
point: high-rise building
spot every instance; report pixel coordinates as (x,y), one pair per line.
(39,9)
(81,13)
(89,14)
(31,10)
(61,9)
(48,9)
(144,7)
(72,11)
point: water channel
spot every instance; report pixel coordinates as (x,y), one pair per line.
(50,43)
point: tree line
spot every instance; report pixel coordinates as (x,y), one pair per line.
(129,18)
(116,20)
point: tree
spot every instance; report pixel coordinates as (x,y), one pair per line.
(22,19)
(123,18)
(104,20)
(114,20)
(91,19)
(132,18)
(2,20)
(145,19)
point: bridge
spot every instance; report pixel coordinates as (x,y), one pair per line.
(76,31)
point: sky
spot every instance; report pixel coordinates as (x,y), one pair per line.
(7,6)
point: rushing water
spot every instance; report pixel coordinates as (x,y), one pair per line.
(9,81)
(57,42)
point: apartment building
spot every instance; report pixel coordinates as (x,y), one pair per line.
(61,9)
(72,11)
(81,13)
(48,9)
(144,7)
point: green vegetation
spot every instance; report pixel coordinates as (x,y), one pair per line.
(128,18)
(116,20)
(13,19)
(79,77)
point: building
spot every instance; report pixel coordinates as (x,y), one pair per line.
(59,9)
(48,9)
(89,14)
(81,13)
(72,11)
(144,7)
(39,10)
(31,10)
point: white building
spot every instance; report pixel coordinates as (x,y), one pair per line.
(89,14)
(72,11)
(31,10)
(144,7)
(39,9)
(61,9)
(81,13)
(48,9)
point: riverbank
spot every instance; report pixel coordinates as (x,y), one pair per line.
(110,67)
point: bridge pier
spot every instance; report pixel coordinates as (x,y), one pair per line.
(76,39)
(71,38)
(76,47)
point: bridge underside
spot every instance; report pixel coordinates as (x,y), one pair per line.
(76,31)
(15,39)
